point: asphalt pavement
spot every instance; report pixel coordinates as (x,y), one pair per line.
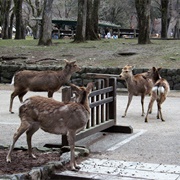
(154,145)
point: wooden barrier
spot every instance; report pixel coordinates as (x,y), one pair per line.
(103,107)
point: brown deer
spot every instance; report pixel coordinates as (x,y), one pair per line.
(139,84)
(54,117)
(39,81)
(159,93)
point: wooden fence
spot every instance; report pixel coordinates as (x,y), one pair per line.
(103,107)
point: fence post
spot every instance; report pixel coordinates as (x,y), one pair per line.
(66,94)
(112,105)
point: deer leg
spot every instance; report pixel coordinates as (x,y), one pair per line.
(23,127)
(129,102)
(157,110)
(160,112)
(50,94)
(71,139)
(142,104)
(21,96)
(13,95)
(149,109)
(29,134)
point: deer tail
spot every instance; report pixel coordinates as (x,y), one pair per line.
(12,82)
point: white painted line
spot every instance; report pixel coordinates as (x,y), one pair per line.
(118,145)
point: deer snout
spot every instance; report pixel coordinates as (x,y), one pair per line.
(121,76)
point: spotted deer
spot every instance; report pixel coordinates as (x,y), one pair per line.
(39,81)
(54,117)
(139,84)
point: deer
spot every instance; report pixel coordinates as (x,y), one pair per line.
(41,81)
(54,117)
(159,93)
(139,84)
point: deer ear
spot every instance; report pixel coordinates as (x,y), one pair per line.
(73,62)
(89,86)
(158,69)
(153,68)
(66,61)
(73,86)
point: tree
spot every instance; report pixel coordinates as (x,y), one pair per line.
(46,27)
(87,23)
(20,28)
(65,9)
(33,9)
(81,21)
(143,13)
(118,12)
(164,18)
(174,18)
(92,20)
(6,4)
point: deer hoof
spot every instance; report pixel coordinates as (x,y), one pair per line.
(78,167)
(74,169)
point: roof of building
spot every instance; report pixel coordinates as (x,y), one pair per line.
(71,22)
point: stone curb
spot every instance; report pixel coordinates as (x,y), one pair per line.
(45,171)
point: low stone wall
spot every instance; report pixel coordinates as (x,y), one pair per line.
(7,71)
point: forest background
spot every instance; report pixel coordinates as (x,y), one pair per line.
(20,15)
(162,16)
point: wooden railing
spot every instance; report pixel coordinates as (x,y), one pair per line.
(103,107)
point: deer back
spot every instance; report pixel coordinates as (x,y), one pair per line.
(45,80)
(57,117)
(37,80)
(136,84)
(53,116)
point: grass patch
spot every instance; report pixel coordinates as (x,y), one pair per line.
(105,52)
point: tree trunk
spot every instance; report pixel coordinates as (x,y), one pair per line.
(46,28)
(96,17)
(164,18)
(5,25)
(20,29)
(173,4)
(92,20)
(81,21)
(143,13)
(10,31)
(36,10)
